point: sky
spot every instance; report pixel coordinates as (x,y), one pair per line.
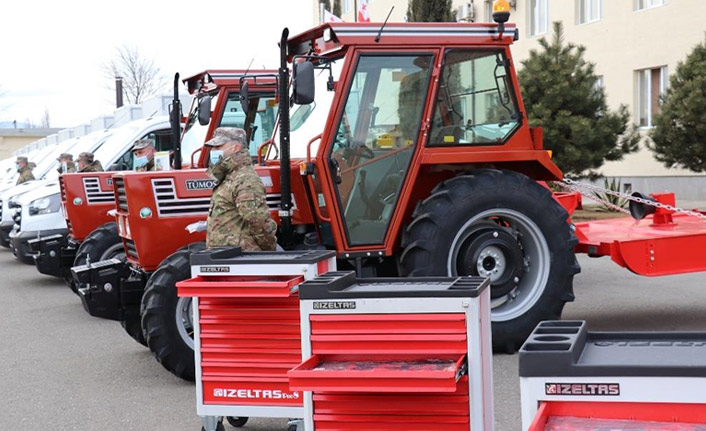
(52,51)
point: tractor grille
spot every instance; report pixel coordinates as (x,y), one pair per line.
(274,201)
(120,196)
(131,249)
(62,189)
(94,195)
(168,204)
(69,227)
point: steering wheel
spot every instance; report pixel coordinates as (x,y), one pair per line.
(361,151)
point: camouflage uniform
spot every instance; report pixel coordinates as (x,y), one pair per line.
(94,166)
(25,172)
(70,165)
(91,165)
(239,215)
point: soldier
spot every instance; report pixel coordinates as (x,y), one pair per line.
(66,164)
(238,215)
(22,165)
(86,163)
(144,155)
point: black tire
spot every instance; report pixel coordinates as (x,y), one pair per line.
(158,310)
(101,244)
(237,421)
(133,327)
(497,223)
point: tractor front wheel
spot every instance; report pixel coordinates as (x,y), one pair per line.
(504,226)
(167,319)
(102,244)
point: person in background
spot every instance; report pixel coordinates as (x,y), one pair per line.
(86,163)
(66,164)
(238,216)
(143,152)
(22,165)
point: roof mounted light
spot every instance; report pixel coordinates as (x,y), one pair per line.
(501,11)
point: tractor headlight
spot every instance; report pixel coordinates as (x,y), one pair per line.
(47,205)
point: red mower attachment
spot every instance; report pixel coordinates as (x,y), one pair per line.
(659,239)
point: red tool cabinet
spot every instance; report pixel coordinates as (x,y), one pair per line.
(576,380)
(395,354)
(246,329)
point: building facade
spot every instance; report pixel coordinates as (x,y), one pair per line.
(13,139)
(635,45)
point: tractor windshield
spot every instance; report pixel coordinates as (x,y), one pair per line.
(475,104)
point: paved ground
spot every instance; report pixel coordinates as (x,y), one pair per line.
(61,369)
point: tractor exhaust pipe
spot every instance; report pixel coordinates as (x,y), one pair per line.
(638,210)
(285,214)
(175,123)
(118,91)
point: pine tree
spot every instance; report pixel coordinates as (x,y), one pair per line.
(337,7)
(679,135)
(560,94)
(430,11)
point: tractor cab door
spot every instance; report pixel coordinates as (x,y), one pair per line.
(376,135)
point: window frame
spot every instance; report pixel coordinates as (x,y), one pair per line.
(646,75)
(328,171)
(514,96)
(583,10)
(542,4)
(648,4)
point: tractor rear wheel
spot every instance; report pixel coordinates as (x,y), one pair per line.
(166,318)
(102,244)
(501,225)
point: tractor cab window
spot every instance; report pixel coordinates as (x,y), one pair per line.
(475,103)
(261,119)
(375,140)
(194,133)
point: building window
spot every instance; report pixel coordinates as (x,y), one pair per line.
(651,83)
(539,17)
(346,6)
(648,4)
(590,10)
(488,11)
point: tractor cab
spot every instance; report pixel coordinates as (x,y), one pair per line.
(416,104)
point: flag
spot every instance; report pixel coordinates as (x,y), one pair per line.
(329,17)
(363,15)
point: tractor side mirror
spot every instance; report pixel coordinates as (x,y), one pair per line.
(304,86)
(204,110)
(245,97)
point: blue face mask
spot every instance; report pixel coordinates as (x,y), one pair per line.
(216,156)
(140,162)
(17,166)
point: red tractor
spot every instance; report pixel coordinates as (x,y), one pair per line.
(426,166)
(169,201)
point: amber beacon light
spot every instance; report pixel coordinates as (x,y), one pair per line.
(501,11)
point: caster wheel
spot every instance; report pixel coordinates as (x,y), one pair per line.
(219,427)
(237,421)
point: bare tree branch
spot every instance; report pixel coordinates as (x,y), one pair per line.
(141,77)
(46,122)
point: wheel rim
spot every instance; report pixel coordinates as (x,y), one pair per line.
(114,251)
(523,276)
(184,321)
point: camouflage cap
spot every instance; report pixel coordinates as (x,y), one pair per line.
(63,156)
(21,159)
(142,143)
(86,156)
(223,135)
